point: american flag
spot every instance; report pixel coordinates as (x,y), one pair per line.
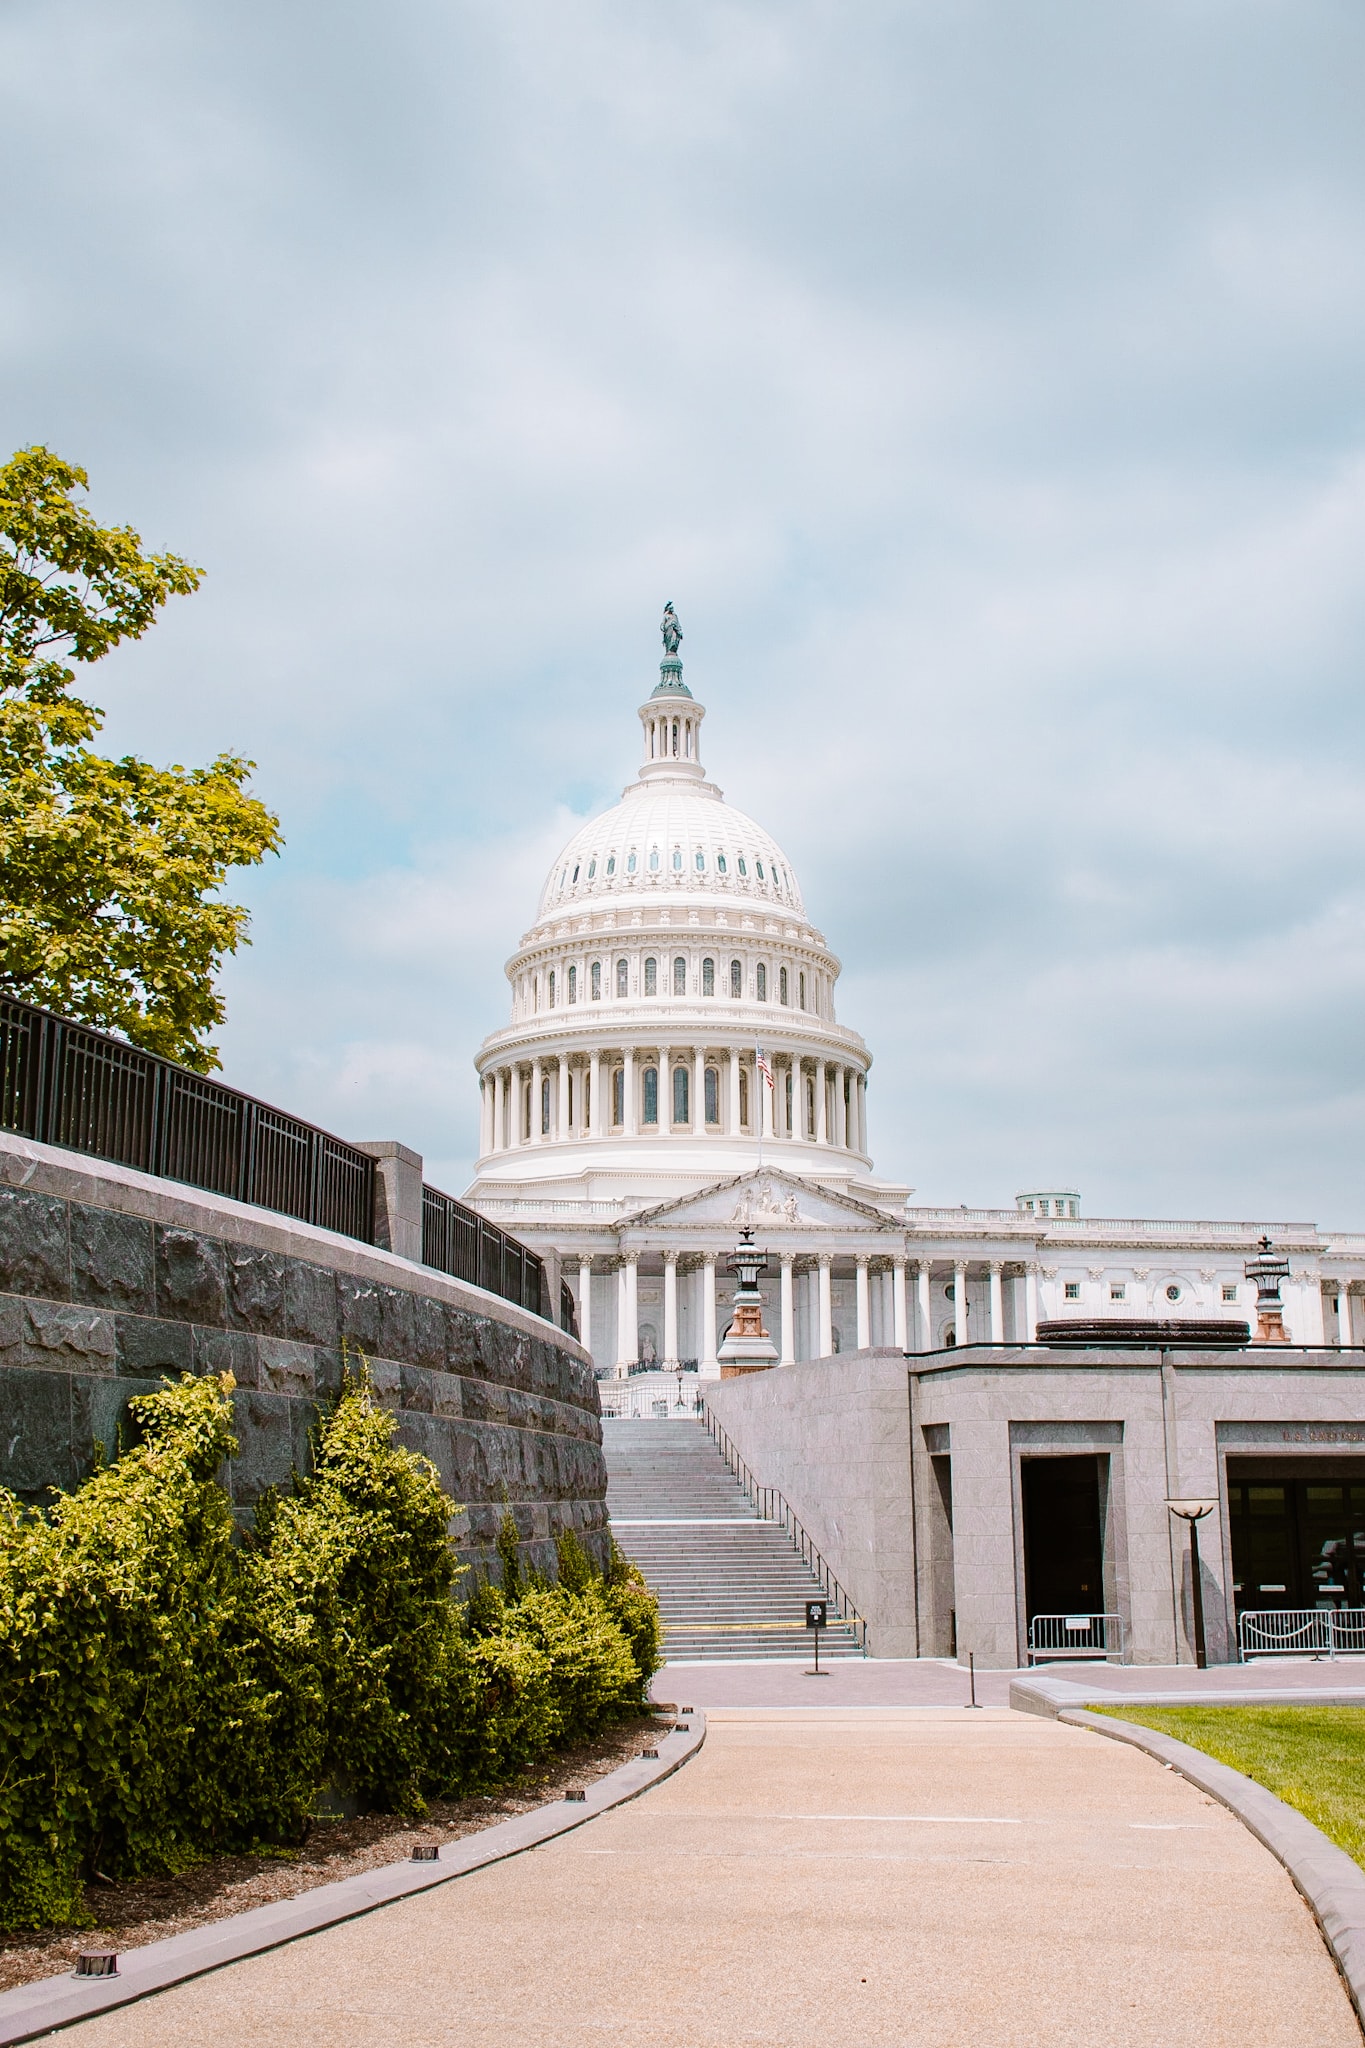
(763,1067)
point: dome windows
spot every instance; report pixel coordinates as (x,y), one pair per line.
(576,866)
(592,868)
(596,981)
(761,983)
(618,1096)
(677,860)
(736,978)
(784,994)
(654,860)
(681,1111)
(700,861)
(712,1085)
(573,985)
(651,976)
(611,864)
(552,988)
(743,866)
(631,862)
(721,868)
(651,1096)
(801,990)
(680,976)
(758,869)
(708,977)
(622,979)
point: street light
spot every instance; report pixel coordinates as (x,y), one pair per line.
(1193,1512)
(1267,1270)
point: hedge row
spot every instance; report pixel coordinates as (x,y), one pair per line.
(169,1692)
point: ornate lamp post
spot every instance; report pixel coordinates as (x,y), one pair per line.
(1193,1512)
(1267,1271)
(747,1346)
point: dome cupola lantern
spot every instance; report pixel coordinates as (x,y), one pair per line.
(672,717)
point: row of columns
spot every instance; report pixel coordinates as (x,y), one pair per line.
(580,1104)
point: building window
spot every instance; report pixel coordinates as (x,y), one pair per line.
(677,860)
(622,978)
(592,867)
(712,1096)
(1229,1291)
(761,983)
(1117,1291)
(1073,1290)
(597,981)
(631,862)
(783,988)
(721,868)
(758,868)
(675,738)
(618,1095)
(526,1112)
(680,1111)
(736,978)
(801,990)
(611,863)
(651,1095)
(680,976)
(700,861)
(744,1095)
(950,1292)
(743,865)
(1173,1292)
(791,1101)
(651,977)
(708,977)
(576,866)
(810,1106)
(552,988)
(545,1107)
(573,984)
(654,860)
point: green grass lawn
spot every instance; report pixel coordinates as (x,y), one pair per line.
(1311,1757)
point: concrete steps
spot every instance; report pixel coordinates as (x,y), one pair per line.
(728,1584)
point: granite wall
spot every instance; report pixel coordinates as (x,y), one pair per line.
(111,1279)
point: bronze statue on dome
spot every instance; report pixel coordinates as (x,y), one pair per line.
(670,629)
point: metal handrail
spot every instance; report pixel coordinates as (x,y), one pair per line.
(767,1499)
(1300,1632)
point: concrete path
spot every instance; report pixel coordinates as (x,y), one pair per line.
(824,1879)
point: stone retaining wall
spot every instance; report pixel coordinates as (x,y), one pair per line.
(111,1279)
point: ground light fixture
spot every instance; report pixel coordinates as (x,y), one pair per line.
(1193,1512)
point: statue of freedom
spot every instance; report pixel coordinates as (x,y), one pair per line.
(670,629)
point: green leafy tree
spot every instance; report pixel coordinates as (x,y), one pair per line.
(107,868)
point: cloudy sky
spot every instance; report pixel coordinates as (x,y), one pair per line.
(985,383)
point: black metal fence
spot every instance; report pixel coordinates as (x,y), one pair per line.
(64,1084)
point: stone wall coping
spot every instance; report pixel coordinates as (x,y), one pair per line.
(1332,1882)
(1022,1358)
(102,1184)
(32,2010)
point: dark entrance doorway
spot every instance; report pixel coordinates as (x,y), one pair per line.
(1063,1535)
(1298,1536)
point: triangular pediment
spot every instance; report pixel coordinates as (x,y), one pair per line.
(769,1201)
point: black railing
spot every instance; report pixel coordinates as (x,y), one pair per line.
(460,1242)
(773,1506)
(64,1084)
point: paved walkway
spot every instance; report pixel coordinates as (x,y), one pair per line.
(824,1879)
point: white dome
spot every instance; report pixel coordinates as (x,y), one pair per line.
(671,839)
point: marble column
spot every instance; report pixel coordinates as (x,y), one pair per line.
(768,1101)
(821,1104)
(1030,1302)
(699,1088)
(707,1366)
(791,1117)
(960,1332)
(629,1113)
(788,1332)
(995,1327)
(826,1309)
(562,1102)
(670,1358)
(864,1301)
(900,1335)
(592,1123)
(499,1106)
(733,1124)
(862,1114)
(924,1308)
(624,1342)
(537,1131)
(632,1307)
(585,1304)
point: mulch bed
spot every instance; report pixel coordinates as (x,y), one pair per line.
(129,1915)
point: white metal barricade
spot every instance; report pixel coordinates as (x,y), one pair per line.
(1301,1632)
(1075,1635)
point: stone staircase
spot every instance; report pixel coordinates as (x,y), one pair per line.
(729,1585)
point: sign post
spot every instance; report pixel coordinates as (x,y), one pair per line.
(816,1618)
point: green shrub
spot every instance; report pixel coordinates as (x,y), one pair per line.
(167,1693)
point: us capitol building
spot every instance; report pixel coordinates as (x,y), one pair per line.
(674,1069)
